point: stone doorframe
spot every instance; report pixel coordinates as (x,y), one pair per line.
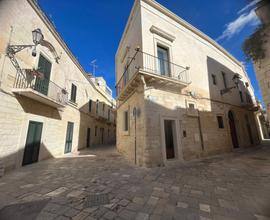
(178,147)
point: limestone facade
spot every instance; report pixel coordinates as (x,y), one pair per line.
(262,67)
(174,98)
(93,123)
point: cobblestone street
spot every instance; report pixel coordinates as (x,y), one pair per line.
(231,186)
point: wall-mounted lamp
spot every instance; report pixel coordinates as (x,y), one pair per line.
(236,80)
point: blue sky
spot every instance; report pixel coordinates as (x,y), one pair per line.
(92,29)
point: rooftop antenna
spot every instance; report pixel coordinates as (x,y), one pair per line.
(93,64)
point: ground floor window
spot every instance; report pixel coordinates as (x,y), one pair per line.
(126,123)
(220,121)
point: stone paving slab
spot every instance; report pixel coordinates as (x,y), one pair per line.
(234,186)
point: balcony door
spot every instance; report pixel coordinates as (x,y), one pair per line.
(32,145)
(42,83)
(163,61)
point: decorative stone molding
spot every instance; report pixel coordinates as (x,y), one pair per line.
(162,33)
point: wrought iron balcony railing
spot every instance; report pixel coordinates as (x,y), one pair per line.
(149,64)
(41,85)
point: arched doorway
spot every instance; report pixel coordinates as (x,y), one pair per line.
(233,130)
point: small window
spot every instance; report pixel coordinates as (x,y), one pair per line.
(96,128)
(191,106)
(224,80)
(220,121)
(126,121)
(241,96)
(214,79)
(126,73)
(268,85)
(90,105)
(108,132)
(97,103)
(103,107)
(73,93)
(109,114)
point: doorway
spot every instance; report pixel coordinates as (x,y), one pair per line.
(169,127)
(88,137)
(249,130)
(32,145)
(69,137)
(233,130)
(102,135)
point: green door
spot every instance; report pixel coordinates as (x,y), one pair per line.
(33,140)
(42,84)
(69,137)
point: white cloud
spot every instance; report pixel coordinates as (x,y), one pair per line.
(239,24)
(251,4)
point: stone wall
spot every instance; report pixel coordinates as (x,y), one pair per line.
(17,20)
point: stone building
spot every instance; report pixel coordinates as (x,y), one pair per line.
(262,66)
(49,104)
(180,95)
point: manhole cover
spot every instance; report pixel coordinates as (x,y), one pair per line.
(96,200)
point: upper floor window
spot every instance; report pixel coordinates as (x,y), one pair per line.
(224,80)
(96,128)
(73,93)
(90,105)
(97,104)
(163,60)
(214,79)
(109,113)
(126,74)
(241,96)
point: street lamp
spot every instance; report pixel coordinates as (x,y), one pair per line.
(236,80)
(11,50)
(37,36)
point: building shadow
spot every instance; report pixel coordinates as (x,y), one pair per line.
(37,108)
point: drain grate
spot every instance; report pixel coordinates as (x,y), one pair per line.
(96,200)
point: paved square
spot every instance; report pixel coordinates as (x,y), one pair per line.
(232,186)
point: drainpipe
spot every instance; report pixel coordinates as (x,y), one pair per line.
(200,130)
(135,141)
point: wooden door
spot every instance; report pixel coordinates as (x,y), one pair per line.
(33,140)
(69,137)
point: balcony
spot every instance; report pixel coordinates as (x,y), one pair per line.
(40,89)
(156,71)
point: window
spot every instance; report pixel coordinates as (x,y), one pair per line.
(248,97)
(191,106)
(90,105)
(103,107)
(96,128)
(108,132)
(224,80)
(163,61)
(109,114)
(220,121)
(97,103)
(214,79)
(73,93)
(126,121)
(241,96)
(126,74)
(268,85)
